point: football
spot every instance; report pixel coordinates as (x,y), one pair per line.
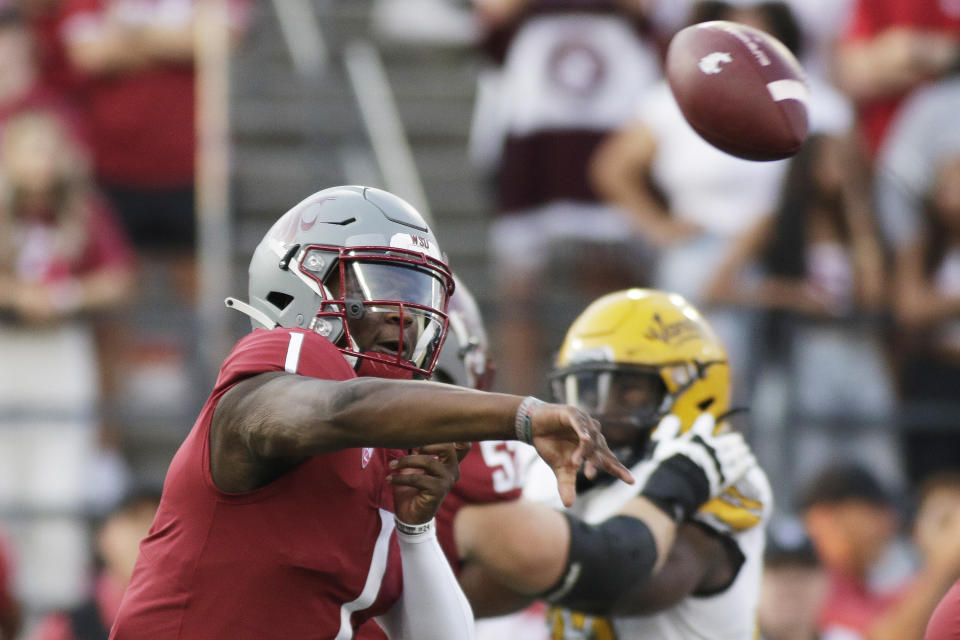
(740,88)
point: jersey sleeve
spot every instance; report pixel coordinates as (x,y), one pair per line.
(295,351)
(490,473)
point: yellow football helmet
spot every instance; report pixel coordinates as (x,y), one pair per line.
(645,335)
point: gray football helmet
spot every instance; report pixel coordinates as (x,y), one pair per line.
(465,357)
(348,258)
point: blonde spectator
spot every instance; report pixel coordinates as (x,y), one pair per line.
(61,258)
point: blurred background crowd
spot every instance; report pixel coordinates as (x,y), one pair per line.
(145,145)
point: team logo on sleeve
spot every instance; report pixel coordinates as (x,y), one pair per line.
(365,454)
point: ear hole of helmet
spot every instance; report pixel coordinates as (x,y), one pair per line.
(279,299)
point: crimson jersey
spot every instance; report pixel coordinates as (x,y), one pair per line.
(489,473)
(310,555)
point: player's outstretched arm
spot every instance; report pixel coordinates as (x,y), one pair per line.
(530,550)
(687,470)
(276,416)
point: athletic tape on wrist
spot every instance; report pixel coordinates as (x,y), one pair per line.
(413,530)
(523,423)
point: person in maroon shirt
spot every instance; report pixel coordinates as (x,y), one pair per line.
(134,64)
(278,512)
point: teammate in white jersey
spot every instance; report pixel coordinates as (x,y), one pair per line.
(643,361)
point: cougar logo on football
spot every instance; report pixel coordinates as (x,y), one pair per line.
(711,63)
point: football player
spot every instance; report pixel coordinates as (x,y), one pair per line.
(642,362)
(277,512)
(531,546)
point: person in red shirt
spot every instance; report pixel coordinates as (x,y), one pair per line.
(134,65)
(851,521)
(890,48)
(279,509)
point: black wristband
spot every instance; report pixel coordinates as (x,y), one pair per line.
(678,486)
(603,563)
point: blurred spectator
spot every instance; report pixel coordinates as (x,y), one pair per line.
(794,585)
(45,19)
(890,48)
(22,83)
(135,59)
(9,607)
(63,258)
(573,72)
(688,198)
(117,541)
(851,520)
(820,259)
(928,308)
(936,534)
(923,133)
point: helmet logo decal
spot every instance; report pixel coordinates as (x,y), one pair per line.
(678,332)
(306,225)
(414,242)
(288,232)
(420,241)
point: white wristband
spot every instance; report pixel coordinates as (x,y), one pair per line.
(523,422)
(415,532)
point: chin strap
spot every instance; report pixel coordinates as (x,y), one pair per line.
(253,312)
(380,369)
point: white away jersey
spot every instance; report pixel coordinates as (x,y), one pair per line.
(741,513)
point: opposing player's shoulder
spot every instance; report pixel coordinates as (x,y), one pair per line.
(292,350)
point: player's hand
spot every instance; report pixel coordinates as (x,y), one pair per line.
(693,467)
(422,479)
(567,438)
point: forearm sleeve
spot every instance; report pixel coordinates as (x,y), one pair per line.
(433,606)
(604,562)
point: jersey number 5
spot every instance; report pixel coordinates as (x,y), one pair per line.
(500,455)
